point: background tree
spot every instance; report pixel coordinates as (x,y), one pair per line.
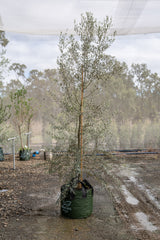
(4,106)
(21,111)
(42,87)
(4,111)
(156,93)
(18,79)
(3,60)
(142,78)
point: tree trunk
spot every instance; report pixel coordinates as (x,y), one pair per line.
(20,135)
(81,129)
(28,130)
(79,133)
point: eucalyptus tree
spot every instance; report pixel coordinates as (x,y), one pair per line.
(42,87)
(18,76)
(3,43)
(3,60)
(83,67)
(4,111)
(121,92)
(4,106)
(19,70)
(147,83)
(141,75)
(156,92)
(17,79)
(35,88)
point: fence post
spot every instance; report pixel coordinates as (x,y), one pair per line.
(28,138)
(13,150)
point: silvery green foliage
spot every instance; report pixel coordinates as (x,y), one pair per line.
(85,51)
(96,167)
(83,54)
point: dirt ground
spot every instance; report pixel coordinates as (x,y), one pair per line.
(129,209)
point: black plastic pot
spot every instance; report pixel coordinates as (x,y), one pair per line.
(1,154)
(78,203)
(24,154)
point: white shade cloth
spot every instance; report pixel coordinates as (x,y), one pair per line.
(53,16)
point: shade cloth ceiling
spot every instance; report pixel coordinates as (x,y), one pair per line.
(53,16)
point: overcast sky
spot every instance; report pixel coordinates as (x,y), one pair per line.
(41,52)
(51,16)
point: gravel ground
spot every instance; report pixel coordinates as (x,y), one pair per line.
(28,208)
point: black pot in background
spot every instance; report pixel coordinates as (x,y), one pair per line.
(1,154)
(24,154)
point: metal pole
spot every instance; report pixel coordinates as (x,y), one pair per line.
(13,150)
(28,141)
(28,138)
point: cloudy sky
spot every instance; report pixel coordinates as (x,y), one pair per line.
(41,52)
(33,27)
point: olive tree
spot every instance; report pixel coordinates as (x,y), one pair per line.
(83,58)
(83,70)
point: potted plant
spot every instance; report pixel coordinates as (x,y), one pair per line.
(24,153)
(82,69)
(77,201)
